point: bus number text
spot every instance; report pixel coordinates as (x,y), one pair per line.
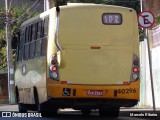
(126,91)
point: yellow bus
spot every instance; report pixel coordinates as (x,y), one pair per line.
(82,56)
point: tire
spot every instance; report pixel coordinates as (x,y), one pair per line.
(16,95)
(45,109)
(36,99)
(22,108)
(109,112)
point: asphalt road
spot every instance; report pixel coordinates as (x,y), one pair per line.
(69,114)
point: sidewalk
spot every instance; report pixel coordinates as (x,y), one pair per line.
(7,107)
(138,108)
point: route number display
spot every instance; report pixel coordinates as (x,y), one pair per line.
(112,19)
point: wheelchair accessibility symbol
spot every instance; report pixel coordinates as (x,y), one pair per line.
(66,92)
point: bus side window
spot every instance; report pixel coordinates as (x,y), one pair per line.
(42,29)
(29,34)
(36,30)
(26,44)
(26,35)
(38,41)
(46,22)
(20,47)
(39,26)
(44,40)
(32,42)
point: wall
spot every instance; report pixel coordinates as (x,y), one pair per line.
(3,84)
(156,63)
(146,91)
(154,39)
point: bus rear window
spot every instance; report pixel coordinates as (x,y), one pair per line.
(111,18)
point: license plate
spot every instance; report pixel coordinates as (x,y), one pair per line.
(95,92)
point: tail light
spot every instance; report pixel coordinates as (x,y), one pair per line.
(135,68)
(53,69)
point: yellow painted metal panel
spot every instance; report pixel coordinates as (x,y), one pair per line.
(83,25)
(96,66)
(131,91)
(80,28)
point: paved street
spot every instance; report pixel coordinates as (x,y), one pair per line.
(69,114)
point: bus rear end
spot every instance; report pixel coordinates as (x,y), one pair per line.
(98,64)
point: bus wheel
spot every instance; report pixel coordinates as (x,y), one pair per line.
(86,111)
(47,109)
(109,112)
(36,99)
(16,95)
(50,112)
(22,108)
(44,108)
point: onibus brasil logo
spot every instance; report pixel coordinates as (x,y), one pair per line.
(16,114)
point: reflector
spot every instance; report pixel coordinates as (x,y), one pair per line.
(64,82)
(135,77)
(125,83)
(54,75)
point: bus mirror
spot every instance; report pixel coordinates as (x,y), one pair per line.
(14,41)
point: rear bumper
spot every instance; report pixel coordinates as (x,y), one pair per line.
(67,91)
(91,103)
